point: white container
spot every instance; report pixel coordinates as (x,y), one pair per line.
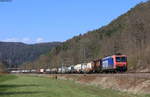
(41,70)
(78,67)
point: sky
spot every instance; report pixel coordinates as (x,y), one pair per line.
(36,21)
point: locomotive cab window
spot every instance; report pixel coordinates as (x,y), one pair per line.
(121,59)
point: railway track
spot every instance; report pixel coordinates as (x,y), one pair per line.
(125,75)
(141,75)
(116,75)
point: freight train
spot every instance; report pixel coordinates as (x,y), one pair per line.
(114,63)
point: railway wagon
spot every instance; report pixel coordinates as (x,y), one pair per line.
(89,67)
(59,70)
(78,68)
(114,63)
(97,65)
(83,67)
(47,71)
(71,69)
(63,69)
(54,70)
(42,70)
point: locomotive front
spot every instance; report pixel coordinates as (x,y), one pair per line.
(120,62)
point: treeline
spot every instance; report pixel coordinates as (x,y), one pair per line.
(129,34)
(14,53)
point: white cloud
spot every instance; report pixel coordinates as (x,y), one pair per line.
(39,40)
(24,40)
(11,40)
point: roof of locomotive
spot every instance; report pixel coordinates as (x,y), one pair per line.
(114,56)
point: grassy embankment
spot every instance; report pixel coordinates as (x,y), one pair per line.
(29,86)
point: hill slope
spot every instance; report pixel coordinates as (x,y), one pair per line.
(13,53)
(128,34)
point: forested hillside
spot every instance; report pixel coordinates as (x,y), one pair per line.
(129,34)
(13,54)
